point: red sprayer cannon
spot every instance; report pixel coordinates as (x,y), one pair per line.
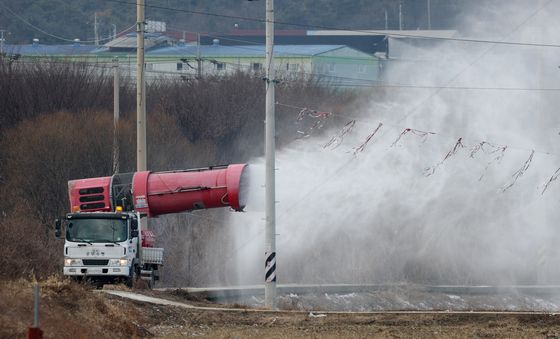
(102,234)
(156,193)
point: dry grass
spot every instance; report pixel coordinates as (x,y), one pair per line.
(68,310)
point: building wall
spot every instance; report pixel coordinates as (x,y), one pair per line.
(285,66)
(337,67)
(340,67)
(346,67)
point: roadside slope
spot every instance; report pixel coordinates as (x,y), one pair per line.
(67,310)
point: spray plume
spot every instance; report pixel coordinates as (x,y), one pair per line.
(378,219)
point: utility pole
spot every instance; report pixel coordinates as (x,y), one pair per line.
(400,15)
(386,20)
(270,146)
(198,60)
(429,15)
(95,33)
(140,89)
(2,31)
(116,113)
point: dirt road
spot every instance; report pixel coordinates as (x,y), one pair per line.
(288,325)
(199,318)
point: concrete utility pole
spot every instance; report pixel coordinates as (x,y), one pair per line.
(95,33)
(140,89)
(2,31)
(429,15)
(400,15)
(270,146)
(116,113)
(198,60)
(386,20)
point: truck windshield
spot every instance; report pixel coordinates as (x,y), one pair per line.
(97,230)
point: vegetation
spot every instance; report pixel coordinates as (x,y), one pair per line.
(69,311)
(78,16)
(56,124)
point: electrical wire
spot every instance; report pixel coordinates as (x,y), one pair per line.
(371,83)
(20,18)
(357,82)
(415,109)
(384,84)
(337,115)
(351,82)
(371,32)
(213,35)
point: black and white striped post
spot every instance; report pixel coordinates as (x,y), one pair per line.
(270,268)
(270,145)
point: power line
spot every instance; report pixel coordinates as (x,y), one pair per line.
(257,44)
(350,82)
(464,88)
(370,32)
(318,74)
(54,35)
(213,35)
(415,109)
(369,83)
(360,82)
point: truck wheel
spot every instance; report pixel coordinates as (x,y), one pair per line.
(132,277)
(153,278)
(95,283)
(151,283)
(77,279)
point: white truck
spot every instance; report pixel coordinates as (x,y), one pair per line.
(105,248)
(105,240)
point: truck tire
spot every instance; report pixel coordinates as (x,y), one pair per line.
(77,279)
(132,277)
(98,284)
(151,283)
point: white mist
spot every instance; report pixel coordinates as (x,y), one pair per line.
(377,218)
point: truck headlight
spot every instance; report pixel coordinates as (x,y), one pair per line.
(72,262)
(118,262)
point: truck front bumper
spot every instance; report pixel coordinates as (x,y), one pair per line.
(97,271)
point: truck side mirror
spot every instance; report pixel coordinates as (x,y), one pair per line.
(57,228)
(133,224)
(133,233)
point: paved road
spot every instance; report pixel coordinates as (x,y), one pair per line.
(166,300)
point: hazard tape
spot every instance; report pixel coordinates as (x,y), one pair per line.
(270,267)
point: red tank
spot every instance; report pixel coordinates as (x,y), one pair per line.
(148,238)
(156,193)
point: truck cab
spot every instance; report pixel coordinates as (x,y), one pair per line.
(105,247)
